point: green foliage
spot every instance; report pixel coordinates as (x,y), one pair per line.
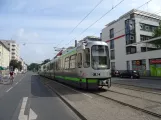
(45,61)
(15,64)
(33,66)
(157,33)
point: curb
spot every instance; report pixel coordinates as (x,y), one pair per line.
(159,89)
(68,104)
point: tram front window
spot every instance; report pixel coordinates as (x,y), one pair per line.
(100,57)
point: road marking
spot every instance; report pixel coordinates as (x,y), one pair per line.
(16,83)
(75,90)
(9,89)
(32,115)
(22,78)
(22,110)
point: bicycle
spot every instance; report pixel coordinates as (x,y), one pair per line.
(11,79)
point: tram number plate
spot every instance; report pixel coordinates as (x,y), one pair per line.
(96,74)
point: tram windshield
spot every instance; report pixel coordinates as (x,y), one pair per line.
(100,57)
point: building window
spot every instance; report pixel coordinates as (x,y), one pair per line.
(147,28)
(13,57)
(112,44)
(130,39)
(140,66)
(112,54)
(72,61)
(141,26)
(101,36)
(130,49)
(79,57)
(111,33)
(153,28)
(86,58)
(144,37)
(112,65)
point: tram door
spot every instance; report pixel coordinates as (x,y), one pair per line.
(80,66)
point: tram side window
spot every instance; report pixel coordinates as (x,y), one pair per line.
(67,63)
(59,64)
(72,61)
(86,58)
(79,60)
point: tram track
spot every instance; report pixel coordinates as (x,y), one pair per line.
(150,112)
(134,96)
(138,88)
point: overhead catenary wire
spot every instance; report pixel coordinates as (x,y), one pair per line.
(135,23)
(82,20)
(98,19)
(86,16)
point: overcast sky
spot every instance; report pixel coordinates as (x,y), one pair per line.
(43,24)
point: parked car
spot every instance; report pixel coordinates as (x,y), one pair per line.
(115,73)
(130,74)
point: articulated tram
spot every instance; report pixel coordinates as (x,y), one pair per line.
(85,66)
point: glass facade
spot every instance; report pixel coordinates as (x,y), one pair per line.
(139,65)
(130,31)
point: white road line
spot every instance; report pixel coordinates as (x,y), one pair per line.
(22,110)
(22,77)
(16,83)
(32,115)
(9,89)
(75,90)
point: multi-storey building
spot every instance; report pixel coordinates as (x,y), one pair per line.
(131,46)
(14,48)
(4,56)
(24,66)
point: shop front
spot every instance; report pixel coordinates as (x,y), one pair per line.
(155,67)
(140,66)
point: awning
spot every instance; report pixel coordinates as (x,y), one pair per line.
(2,68)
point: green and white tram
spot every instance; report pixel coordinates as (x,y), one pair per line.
(86,66)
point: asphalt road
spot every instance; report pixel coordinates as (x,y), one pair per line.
(29,99)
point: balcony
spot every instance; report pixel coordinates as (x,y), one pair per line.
(144,46)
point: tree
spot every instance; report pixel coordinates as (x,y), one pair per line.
(19,65)
(15,64)
(45,61)
(157,33)
(33,66)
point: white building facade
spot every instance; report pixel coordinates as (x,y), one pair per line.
(4,56)
(14,49)
(128,39)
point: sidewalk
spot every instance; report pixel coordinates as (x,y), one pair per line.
(151,78)
(147,83)
(4,79)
